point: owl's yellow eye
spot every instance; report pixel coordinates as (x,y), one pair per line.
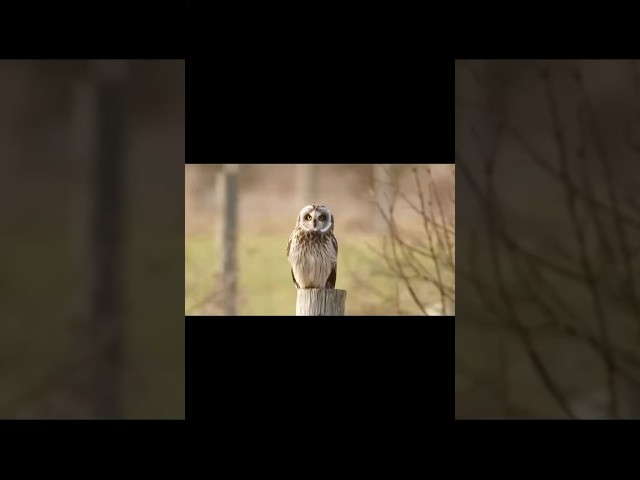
(308,217)
(321,218)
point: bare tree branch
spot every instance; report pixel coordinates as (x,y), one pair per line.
(427,260)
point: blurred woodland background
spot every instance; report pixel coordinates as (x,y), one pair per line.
(548,322)
(91,321)
(395,225)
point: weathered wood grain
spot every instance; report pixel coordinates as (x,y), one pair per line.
(320,302)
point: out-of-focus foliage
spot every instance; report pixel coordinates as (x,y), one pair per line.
(548,317)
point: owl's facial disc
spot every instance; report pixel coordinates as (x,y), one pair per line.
(325,229)
(303,219)
(315,218)
(326,219)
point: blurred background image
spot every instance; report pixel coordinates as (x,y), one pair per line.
(395,226)
(91,158)
(548,157)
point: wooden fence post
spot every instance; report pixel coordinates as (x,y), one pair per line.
(306,184)
(383,177)
(108,211)
(320,302)
(84,138)
(227,188)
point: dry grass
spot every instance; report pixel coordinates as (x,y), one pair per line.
(265,286)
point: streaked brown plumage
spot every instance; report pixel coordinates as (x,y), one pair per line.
(312,249)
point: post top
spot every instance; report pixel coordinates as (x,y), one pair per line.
(320,302)
(321,289)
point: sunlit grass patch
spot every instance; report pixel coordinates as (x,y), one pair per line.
(265,286)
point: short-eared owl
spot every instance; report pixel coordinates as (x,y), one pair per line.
(312,249)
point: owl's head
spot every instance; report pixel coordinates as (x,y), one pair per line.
(316,218)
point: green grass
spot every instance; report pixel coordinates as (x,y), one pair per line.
(42,332)
(265,286)
(155,328)
(36,281)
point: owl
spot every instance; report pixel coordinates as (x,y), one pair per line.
(312,249)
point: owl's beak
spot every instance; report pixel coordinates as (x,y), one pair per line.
(314,224)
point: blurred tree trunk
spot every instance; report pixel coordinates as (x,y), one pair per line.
(306,184)
(107,233)
(383,188)
(84,154)
(227,188)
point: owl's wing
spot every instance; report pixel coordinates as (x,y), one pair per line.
(292,275)
(331,281)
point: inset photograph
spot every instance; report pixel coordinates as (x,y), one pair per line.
(319,239)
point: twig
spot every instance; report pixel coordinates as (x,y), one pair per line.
(580,237)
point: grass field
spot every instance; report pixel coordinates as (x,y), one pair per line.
(42,333)
(265,286)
